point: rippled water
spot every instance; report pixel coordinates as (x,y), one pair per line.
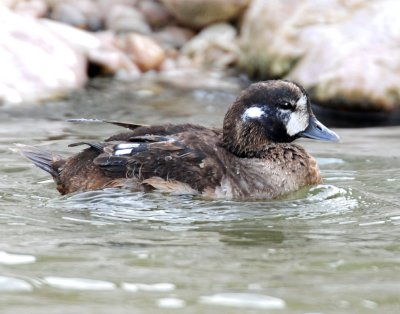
(332,248)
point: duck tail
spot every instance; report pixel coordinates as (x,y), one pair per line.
(42,158)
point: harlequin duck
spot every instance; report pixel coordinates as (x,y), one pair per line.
(251,157)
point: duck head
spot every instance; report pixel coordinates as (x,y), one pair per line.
(275,111)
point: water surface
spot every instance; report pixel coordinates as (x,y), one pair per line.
(332,248)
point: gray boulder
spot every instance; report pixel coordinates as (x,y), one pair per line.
(345,52)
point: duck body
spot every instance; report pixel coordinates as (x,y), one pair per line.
(251,157)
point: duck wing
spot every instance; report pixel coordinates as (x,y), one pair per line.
(167,157)
(163,162)
(147,156)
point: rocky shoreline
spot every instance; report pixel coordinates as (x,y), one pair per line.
(344,53)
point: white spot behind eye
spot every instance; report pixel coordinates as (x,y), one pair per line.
(253,113)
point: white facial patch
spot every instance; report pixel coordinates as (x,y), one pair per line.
(253,113)
(298,120)
(302,102)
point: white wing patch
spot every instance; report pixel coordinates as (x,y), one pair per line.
(125,148)
(253,113)
(127,145)
(120,152)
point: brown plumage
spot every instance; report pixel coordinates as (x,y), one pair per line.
(251,157)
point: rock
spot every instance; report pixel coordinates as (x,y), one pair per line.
(35,64)
(111,60)
(203,83)
(215,46)
(10,4)
(155,13)
(201,13)
(79,39)
(168,65)
(173,36)
(99,48)
(69,14)
(107,5)
(124,18)
(144,51)
(82,14)
(34,8)
(345,52)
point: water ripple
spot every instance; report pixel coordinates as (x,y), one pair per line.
(115,205)
(14,284)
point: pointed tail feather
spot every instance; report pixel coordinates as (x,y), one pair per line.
(41,158)
(131,126)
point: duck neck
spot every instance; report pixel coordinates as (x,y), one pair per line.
(243,140)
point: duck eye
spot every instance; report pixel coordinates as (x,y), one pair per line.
(286,106)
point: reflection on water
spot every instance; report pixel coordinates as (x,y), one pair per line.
(331,248)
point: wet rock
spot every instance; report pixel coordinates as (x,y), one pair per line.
(144,51)
(82,14)
(35,64)
(200,13)
(124,18)
(213,47)
(345,52)
(155,13)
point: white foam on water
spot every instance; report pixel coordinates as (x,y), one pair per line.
(372,223)
(171,303)
(16,259)
(78,283)
(156,287)
(246,300)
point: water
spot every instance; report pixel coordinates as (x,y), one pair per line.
(332,248)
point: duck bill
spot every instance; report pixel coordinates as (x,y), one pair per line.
(317,131)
